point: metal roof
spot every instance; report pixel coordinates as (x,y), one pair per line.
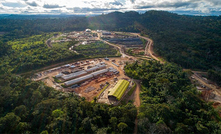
(78,80)
(59,75)
(68,65)
(115,64)
(74,75)
(119,89)
(92,69)
(99,72)
(73,66)
(97,67)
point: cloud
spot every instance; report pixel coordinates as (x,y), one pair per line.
(116,3)
(132,1)
(167,4)
(93,10)
(13,4)
(98,6)
(51,6)
(175,4)
(215,2)
(33,3)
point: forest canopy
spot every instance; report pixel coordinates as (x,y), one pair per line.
(190,41)
(31,107)
(169,102)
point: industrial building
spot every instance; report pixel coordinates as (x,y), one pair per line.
(83,72)
(97,73)
(106,33)
(74,75)
(88,30)
(95,68)
(115,64)
(118,90)
(86,77)
(78,80)
(111,69)
(59,75)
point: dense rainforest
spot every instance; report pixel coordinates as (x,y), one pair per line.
(31,53)
(190,41)
(169,103)
(31,107)
(16,27)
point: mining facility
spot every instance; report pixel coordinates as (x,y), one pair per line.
(89,79)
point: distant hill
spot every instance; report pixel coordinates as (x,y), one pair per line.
(29,17)
(190,41)
(169,102)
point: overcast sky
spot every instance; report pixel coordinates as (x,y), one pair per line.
(194,7)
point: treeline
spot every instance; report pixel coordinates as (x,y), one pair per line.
(31,53)
(31,107)
(26,54)
(214,76)
(169,103)
(5,48)
(22,27)
(190,41)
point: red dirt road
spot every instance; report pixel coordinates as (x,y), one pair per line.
(137,94)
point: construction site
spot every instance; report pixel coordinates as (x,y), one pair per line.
(99,79)
(103,80)
(88,78)
(210,91)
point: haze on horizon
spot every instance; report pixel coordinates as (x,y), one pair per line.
(87,7)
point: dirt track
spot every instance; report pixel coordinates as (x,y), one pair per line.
(202,81)
(137,90)
(137,94)
(118,47)
(149,48)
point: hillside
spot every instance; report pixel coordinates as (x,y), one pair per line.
(31,107)
(190,41)
(169,102)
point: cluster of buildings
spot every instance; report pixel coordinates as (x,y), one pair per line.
(82,36)
(84,75)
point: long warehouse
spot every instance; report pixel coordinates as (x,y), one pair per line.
(74,75)
(78,80)
(86,77)
(83,72)
(118,90)
(95,68)
(100,72)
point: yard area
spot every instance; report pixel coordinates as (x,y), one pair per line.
(89,88)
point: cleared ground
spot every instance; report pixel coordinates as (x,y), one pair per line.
(90,88)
